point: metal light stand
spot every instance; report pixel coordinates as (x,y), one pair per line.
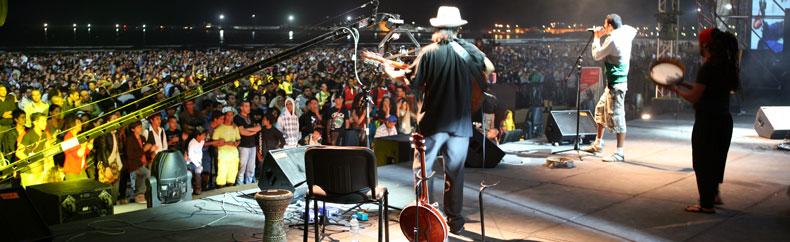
(578,70)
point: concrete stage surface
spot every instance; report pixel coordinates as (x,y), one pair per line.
(641,199)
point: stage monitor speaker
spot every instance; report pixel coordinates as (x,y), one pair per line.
(773,122)
(21,220)
(393,149)
(68,201)
(474,155)
(561,126)
(284,169)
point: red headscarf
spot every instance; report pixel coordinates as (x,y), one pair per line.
(705,36)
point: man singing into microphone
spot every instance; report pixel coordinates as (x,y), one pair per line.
(616,54)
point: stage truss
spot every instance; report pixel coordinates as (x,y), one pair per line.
(668,20)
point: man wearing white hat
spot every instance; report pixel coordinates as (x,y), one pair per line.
(444,72)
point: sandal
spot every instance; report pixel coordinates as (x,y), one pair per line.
(699,209)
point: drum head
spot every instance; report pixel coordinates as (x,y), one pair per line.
(666,73)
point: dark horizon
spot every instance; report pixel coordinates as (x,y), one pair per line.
(308,13)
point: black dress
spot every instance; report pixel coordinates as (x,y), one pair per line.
(710,139)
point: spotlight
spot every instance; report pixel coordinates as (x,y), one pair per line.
(46,25)
(89,25)
(728,6)
(221,16)
(290,18)
(74,25)
(646,116)
(117,25)
(348,18)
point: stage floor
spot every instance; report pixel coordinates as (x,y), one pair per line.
(638,200)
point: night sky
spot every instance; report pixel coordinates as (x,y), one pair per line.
(480,13)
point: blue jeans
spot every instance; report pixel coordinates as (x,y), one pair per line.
(246,165)
(454,149)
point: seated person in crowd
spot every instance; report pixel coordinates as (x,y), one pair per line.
(388,128)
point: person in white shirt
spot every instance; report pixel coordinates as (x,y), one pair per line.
(388,128)
(194,158)
(616,54)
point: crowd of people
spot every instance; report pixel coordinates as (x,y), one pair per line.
(313,99)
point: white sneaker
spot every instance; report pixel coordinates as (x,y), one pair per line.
(615,158)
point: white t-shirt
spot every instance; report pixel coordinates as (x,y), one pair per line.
(195,152)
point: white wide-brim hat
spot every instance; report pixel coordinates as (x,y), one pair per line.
(447,17)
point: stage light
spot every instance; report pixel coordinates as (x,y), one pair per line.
(46,25)
(143,25)
(290,18)
(89,25)
(646,116)
(74,25)
(348,18)
(291,35)
(699,9)
(253,15)
(221,16)
(117,25)
(728,6)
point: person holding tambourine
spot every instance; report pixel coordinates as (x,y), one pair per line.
(710,140)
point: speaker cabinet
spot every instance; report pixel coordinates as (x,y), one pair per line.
(21,220)
(284,169)
(561,126)
(63,202)
(482,155)
(773,122)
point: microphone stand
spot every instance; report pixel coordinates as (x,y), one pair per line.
(578,71)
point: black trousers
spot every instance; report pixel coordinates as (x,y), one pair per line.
(710,142)
(123,184)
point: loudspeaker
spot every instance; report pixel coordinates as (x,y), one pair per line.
(474,156)
(393,149)
(284,169)
(773,122)
(63,202)
(21,220)
(561,126)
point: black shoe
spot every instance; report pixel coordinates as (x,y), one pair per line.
(457,231)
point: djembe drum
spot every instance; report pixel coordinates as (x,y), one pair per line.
(273,203)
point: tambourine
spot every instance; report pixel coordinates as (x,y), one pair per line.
(667,72)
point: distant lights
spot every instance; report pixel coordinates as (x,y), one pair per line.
(89,25)
(46,25)
(74,25)
(143,25)
(117,25)
(348,18)
(221,16)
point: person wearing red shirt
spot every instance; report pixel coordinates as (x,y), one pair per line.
(75,162)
